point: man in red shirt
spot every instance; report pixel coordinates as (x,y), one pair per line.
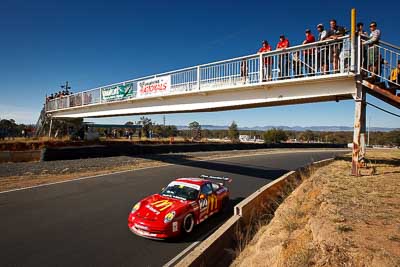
(283,58)
(267,71)
(309,55)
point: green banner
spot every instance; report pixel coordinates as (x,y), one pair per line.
(117,92)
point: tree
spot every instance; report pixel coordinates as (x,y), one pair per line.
(146,123)
(170,130)
(274,136)
(158,130)
(308,136)
(233,132)
(393,137)
(195,128)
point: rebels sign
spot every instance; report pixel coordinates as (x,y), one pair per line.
(154,87)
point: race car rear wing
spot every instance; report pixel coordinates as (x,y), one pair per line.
(223,180)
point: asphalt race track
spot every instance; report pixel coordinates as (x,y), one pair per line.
(84,222)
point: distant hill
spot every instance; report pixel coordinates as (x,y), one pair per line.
(294,128)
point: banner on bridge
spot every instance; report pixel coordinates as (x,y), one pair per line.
(154,86)
(117,92)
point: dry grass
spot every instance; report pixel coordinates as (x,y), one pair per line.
(335,219)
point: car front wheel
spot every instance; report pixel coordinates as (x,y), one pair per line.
(188,223)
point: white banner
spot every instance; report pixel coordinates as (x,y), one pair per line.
(154,86)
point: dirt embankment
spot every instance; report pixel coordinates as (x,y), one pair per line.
(334,219)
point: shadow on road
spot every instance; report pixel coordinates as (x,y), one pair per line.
(213,165)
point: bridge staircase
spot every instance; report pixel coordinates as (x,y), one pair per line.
(41,122)
(376,69)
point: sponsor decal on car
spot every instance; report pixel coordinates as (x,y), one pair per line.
(144,233)
(203,204)
(212,202)
(152,209)
(141,226)
(162,204)
(222,190)
(174,226)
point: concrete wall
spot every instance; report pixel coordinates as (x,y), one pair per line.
(20,156)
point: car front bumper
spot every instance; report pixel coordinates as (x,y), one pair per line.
(153,230)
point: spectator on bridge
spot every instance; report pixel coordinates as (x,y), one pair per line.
(267,67)
(243,70)
(394,79)
(363,34)
(373,58)
(360,30)
(322,53)
(283,58)
(298,65)
(334,33)
(309,55)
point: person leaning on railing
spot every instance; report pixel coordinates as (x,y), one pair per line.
(283,58)
(322,53)
(334,33)
(373,50)
(267,66)
(309,53)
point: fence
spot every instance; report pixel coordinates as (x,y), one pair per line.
(315,59)
(378,61)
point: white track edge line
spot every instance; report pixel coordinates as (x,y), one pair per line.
(183,252)
(152,167)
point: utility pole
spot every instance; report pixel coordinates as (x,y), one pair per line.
(66,87)
(369,128)
(164,120)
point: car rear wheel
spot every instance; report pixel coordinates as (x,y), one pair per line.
(188,223)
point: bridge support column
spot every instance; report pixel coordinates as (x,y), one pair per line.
(359,129)
(51,126)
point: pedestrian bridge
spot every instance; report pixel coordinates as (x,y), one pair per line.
(301,74)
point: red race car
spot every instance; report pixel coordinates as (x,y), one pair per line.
(180,206)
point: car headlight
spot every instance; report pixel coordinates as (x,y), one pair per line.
(169,217)
(136,207)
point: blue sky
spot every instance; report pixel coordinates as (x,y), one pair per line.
(45,43)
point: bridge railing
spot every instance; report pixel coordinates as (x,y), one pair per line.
(310,60)
(378,62)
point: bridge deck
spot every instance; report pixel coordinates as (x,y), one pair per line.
(301,74)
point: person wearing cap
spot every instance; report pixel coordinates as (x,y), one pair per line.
(373,51)
(267,70)
(309,53)
(283,59)
(321,32)
(322,54)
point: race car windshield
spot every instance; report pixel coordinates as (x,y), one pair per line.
(180,192)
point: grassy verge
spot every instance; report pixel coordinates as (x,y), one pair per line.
(334,219)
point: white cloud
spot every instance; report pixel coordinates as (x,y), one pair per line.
(19,114)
